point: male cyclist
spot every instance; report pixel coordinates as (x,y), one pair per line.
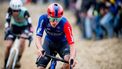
(18,21)
(58,37)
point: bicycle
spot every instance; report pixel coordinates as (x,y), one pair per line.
(14,52)
(54,61)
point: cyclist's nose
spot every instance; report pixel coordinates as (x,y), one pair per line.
(54,22)
(15,14)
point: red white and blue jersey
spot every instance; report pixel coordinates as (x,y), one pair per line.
(62,32)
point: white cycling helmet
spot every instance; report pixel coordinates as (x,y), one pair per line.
(16,4)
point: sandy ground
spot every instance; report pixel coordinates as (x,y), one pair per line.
(102,54)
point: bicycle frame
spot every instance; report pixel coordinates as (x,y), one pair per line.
(53,64)
(14,52)
(54,61)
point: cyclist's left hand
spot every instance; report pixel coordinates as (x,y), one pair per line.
(31,29)
(73,62)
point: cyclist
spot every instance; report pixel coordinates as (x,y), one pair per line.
(18,21)
(58,37)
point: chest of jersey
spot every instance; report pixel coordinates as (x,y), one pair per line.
(57,31)
(18,17)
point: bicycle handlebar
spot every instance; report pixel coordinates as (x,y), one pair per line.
(29,36)
(56,58)
(62,60)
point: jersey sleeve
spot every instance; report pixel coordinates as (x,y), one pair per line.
(68,33)
(28,18)
(8,17)
(40,27)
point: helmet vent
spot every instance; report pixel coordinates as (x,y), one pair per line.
(61,13)
(49,12)
(56,4)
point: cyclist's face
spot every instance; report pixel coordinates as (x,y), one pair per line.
(54,21)
(15,12)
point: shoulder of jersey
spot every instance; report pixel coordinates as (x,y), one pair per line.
(44,15)
(24,9)
(64,19)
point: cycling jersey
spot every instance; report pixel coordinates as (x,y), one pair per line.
(17,23)
(22,19)
(62,32)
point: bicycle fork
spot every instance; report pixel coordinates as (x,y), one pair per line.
(13,56)
(53,64)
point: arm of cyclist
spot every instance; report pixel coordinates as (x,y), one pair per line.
(39,34)
(72,55)
(29,31)
(7,24)
(28,18)
(39,46)
(69,37)
(8,19)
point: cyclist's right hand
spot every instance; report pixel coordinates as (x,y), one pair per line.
(40,52)
(7,29)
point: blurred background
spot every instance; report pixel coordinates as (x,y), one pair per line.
(97,31)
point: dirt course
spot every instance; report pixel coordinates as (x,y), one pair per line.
(102,54)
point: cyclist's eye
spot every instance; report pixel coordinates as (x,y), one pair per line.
(54,19)
(15,10)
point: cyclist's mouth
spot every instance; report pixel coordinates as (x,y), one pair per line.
(53,24)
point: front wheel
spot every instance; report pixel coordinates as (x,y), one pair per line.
(53,64)
(12,60)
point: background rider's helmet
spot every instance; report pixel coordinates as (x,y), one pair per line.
(55,10)
(16,4)
(112,1)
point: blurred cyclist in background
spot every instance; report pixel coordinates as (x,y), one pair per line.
(18,21)
(58,37)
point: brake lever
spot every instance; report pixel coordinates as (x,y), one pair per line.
(71,63)
(30,40)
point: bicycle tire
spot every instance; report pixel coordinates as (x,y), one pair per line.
(15,59)
(10,60)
